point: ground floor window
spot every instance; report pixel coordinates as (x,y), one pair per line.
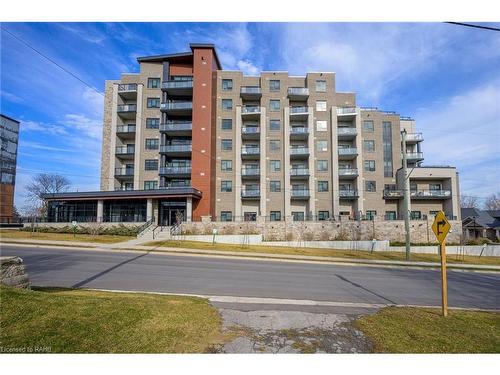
(390,215)
(124,210)
(370,214)
(298,216)
(275,216)
(323,215)
(66,212)
(416,215)
(226,216)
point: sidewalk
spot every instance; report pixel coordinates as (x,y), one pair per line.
(129,246)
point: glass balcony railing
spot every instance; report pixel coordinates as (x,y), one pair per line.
(299,151)
(177,105)
(250,193)
(176,184)
(250,130)
(346,110)
(297,193)
(348,172)
(250,171)
(175,170)
(298,91)
(250,150)
(124,171)
(299,172)
(251,90)
(419,194)
(299,110)
(343,193)
(346,131)
(126,108)
(296,130)
(414,137)
(250,109)
(415,155)
(127,87)
(177,84)
(348,151)
(124,150)
(176,126)
(176,148)
(125,129)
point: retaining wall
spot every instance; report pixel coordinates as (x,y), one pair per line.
(13,272)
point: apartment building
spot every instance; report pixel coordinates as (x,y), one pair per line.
(9,135)
(183,137)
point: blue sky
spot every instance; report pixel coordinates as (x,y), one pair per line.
(445,76)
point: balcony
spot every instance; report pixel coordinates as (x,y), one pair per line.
(418,194)
(125,152)
(346,133)
(250,92)
(177,128)
(127,111)
(414,138)
(176,150)
(250,112)
(183,88)
(127,91)
(348,194)
(124,173)
(176,185)
(250,152)
(348,153)
(299,113)
(302,172)
(298,93)
(299,152)
(299,132)
(250,193)
(414,156)
(300,194)
(250,172)
(177,107)
(175,171)
(250,132)
(348,173)
(126,131)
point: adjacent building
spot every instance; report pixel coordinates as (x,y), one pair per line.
(185,138)
(9,135)
(478,223)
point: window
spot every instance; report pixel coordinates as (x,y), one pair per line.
(152,123)
(369,146)
(416,215)
(370,165)
(298,216)
(322,186)
(226,186)
(370,186)
(153,83)
(434,187)
(323,215)
(390,215)
(151,165)
(150,185)
(321,105)
(250,216)
(152,143)
(274,145)
(153,103)
(320,86)
(321,126)
(275,165)
(226,165)
(227,84)
(274,105)
(322,146)
(274,124)
(275,216)
(275,186)
(370,214)
(387,145)
(274,85)
(322,165)
(226,216)
(227,104)
(226,144)
(368,126)
(226,124)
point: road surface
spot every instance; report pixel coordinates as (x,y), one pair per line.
(253,278)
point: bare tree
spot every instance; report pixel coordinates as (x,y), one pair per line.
(45,183)
(468,201)
(492,201)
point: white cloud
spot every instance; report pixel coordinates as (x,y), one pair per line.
(247,67)
(10,97)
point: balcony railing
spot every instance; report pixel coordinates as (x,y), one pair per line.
(176,148)
(298,193)
(251,90)
(172,170)
(177,84)
(250,193)
(298,110)
(250,130)
(177,105)
(124,171)
(177,184)
(126,108)
(250,109)
(348,151)
(418,194)
(250,150)
(348,193)
(346,110)
(176,126)
(299,172)
(124,150)
(298,91)
(348,172)
(125,129)
(346,131)
(297,130)
(299,151)
(414,155)
(127,87)
(414,137)
(250,171)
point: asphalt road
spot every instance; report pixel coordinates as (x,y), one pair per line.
(254,278)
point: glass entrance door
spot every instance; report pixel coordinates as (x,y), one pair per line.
(172,212)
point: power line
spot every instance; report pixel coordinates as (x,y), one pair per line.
(474,26)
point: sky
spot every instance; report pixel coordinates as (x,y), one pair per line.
(446,77)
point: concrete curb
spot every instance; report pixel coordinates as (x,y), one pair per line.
(251,255)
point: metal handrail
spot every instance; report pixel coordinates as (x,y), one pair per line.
(298,91)
(250,90)
(126,108)
(299,171)
(250,109)
(143,228)
(295,110)
(125,129)
(346,110)
(124,150)
(348,151)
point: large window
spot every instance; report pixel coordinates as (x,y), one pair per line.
(370,214)
(321,105)
(415,215)
(274,85)
(390,215)
(275,165)
(226,124)
(150,185)
(66,212)
(226,165)
(322,165)
(322,146)
(125,210)
(369,165)
(320,86)
(226,186)
(298,216)
(152,123)
(154,83)
(387,145)
(274,105)
(275,186)
(274,124)
(323,215)
(152,144)
(368,126)
(227,84)
(227,104)
(274,145)
(321,126)
(226,216)
(322,186)
(369,146)
(226,144)
(370,186)
(153,103)
(151,165)
(275,216)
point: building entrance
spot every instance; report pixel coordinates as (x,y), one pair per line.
(172,212)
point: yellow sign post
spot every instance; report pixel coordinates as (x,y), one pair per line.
(441,227)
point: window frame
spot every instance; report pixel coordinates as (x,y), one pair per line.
(271,121)
(272,108)
(367,166)
(150,160)
(229,87)
(318,102)
(273,82)
(275,186)
(321,186)
(325,162)
(226,162)
(323,83)
(226,100)
(275,162)
(370,183)
(226,186)
(149,102)
(154,79)
(226,141)
(151,143)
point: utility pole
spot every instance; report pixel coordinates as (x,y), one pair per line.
(406,195)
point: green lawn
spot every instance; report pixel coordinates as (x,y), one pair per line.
(349,254)
(415,330)
(24,235)
(79,321)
